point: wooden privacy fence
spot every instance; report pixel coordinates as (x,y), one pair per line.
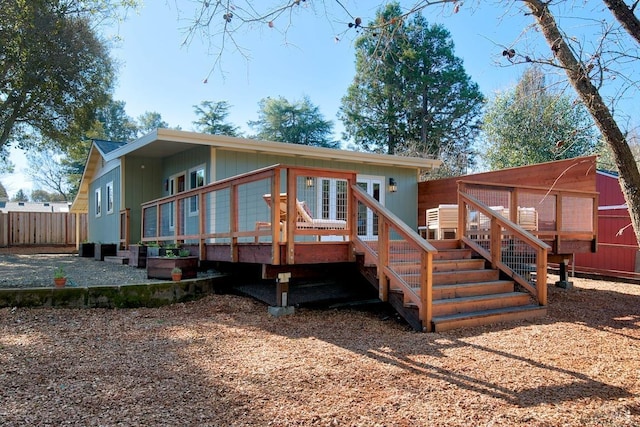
(42,228)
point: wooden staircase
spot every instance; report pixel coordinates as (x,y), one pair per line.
(465,291)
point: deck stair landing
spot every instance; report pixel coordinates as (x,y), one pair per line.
(465,291)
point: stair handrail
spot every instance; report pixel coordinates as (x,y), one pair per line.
(498,223)
(387,220)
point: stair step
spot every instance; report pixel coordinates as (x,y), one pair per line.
(117,259)
(445,244)
(465,276)
(453,254)
(458,264)
(470,304)
(487,317)
(459,290)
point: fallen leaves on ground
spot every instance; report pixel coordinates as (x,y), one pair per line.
(224,361)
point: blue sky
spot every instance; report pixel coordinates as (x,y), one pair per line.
(157,73)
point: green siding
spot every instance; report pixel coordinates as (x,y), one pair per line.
(144,182)
(148,183)
(106,227)
(403,203)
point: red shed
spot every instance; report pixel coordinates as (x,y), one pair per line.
(617,253)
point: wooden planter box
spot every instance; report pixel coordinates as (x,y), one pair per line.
(105,249)
(138,256)
(160,267)
(86,250)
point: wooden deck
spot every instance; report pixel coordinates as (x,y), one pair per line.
(492,273)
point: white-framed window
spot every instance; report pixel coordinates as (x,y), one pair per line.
(98,202)
(196,180)
(176,185)
(109,194)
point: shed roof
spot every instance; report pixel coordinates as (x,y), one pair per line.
(165,142)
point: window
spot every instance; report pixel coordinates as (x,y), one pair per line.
(110,197)
(98,201)
(196,180)
(176,184)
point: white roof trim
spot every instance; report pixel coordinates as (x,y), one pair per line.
(612,207)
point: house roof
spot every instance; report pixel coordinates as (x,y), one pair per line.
(166,142)
(106,147)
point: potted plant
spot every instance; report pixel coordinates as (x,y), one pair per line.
(184,252)
(176,274)
(59,277)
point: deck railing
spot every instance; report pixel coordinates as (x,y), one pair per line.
(564,219)
(254,208)
(404,260)
(508,247)
(516,228)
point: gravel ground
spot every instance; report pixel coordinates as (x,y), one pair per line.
(223,361)
(36,270)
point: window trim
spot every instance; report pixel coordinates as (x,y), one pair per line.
(98,202)
(193,203)
(109,196)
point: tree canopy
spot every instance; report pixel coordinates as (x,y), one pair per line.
(411,93)
(54,71)
(299,122)
(212,119)
(529,124)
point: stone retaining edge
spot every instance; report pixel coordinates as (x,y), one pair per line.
(122,296)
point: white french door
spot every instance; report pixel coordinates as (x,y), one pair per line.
(367,220)
(332,204)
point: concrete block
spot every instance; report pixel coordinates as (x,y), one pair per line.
(281,311)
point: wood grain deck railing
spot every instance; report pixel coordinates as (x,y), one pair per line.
(229,211)
(567,220)
(507,246)
(393,233)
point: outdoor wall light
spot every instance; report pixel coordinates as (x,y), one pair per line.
(309,181)
(393,187)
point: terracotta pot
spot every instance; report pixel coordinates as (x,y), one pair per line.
(60,282)
(176,277)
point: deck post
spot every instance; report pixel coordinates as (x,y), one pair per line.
(282,307)
(541,276)
(495,245)
(383,259)
(202,251)
(275,218)
(426,291)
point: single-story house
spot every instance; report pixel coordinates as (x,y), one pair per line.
(165,162)
(296,210)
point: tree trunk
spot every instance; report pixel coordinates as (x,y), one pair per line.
(625,17)
(579,79)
